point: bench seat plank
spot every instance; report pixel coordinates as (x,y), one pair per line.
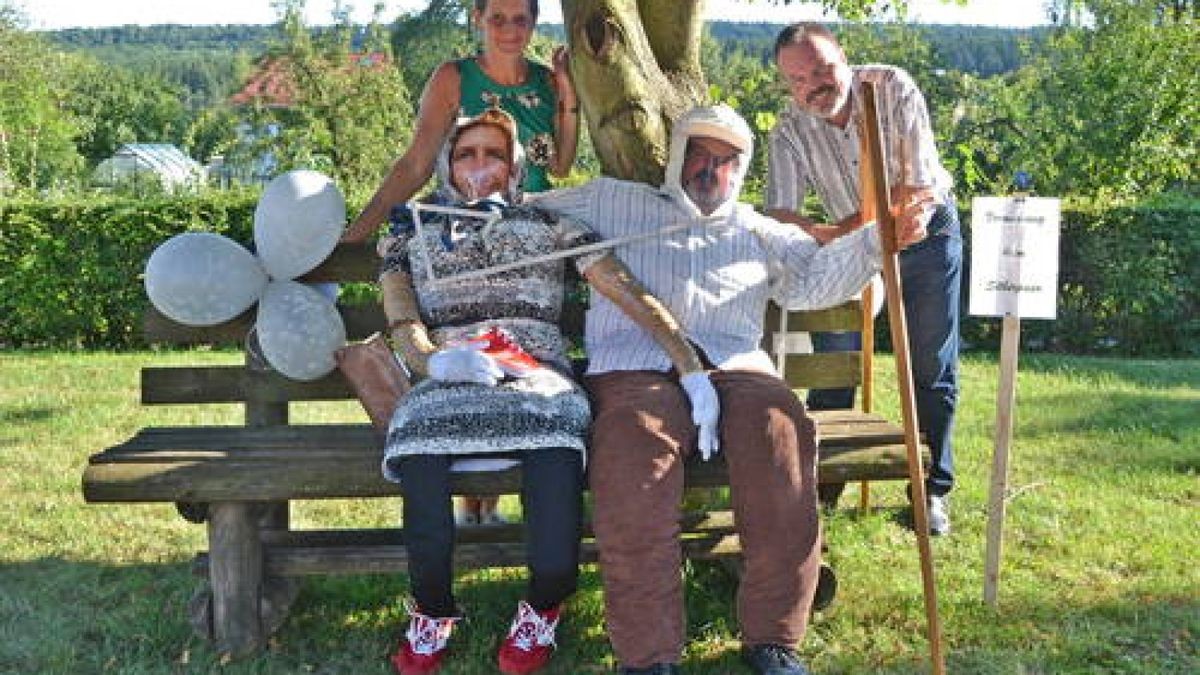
(323,461)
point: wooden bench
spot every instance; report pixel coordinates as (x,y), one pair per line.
(239,479)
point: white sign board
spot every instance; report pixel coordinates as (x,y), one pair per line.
(1014,256)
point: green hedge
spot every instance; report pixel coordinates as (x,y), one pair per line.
(72,274)
(72,270)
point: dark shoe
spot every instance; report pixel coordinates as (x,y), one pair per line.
(829,493)
(826,588)
(773,660)
(656,669)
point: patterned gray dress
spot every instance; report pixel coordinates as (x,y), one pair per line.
(545,409)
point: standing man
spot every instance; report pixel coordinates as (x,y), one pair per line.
(715,276)
(816,146)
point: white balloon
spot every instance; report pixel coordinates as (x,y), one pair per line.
(202,278)
(297,222)
(299,330)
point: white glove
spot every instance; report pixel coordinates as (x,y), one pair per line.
(464,363)
(706,410)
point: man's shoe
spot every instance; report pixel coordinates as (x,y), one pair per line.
(939,515)
(937,512)
(768,659)
(423,648)
(530,641)
(656,669)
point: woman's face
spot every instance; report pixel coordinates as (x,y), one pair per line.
(479,162)
(506,26)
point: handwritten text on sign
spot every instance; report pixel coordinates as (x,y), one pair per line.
(1014,256)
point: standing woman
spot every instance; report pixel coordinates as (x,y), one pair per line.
(541,100)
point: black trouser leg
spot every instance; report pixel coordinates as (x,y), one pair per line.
(429,531)
(551,498)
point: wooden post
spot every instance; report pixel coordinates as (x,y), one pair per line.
(235,565)
(1006,395)
(868,375)
(877,195)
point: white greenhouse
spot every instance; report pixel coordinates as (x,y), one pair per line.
(149,166)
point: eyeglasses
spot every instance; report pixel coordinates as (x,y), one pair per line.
(695,153)
(520,21)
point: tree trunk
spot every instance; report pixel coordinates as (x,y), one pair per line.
(636,67)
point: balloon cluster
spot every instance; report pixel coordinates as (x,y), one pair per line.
(203,279)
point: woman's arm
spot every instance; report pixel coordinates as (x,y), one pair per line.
(566,116)
(612,279)
(439,105)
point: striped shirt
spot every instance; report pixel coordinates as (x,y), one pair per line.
(715,276)
(807,153)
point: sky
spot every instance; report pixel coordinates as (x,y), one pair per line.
(55,14)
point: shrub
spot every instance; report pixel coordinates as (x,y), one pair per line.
(73,273)
(73,268)
(1128,279)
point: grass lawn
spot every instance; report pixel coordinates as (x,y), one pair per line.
(1100,570)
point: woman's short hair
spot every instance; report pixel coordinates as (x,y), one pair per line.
(481,6)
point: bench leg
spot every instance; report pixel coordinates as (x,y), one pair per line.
(235,573)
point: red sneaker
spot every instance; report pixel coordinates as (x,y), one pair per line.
(509,355)
(424,645)
(530,641)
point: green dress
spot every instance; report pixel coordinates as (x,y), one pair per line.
(532,104)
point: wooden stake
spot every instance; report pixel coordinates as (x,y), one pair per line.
(1006,395)
(877,195)
(868,375)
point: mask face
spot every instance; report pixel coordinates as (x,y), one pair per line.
(479,162)
(710,168)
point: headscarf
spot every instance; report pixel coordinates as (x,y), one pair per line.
(720,122)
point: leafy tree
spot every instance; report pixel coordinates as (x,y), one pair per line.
(1106,110)
(36,129)
(424,39)
(350,111)
(115,106)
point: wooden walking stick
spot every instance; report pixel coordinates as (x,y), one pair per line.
(877,199)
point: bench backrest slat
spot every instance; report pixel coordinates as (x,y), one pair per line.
(356,263)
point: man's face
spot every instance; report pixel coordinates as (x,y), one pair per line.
(479,162)
(818,77)
(710,166)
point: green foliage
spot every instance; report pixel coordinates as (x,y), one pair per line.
(116,106)
(1107,111)
(73,268)
(424,39)
(350,113)
(36,130)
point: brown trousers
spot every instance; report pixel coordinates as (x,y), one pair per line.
(641,434)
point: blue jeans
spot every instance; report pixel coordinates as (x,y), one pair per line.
(931,277)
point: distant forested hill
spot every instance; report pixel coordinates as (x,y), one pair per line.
(206,62)
(980,50)
(210,62)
